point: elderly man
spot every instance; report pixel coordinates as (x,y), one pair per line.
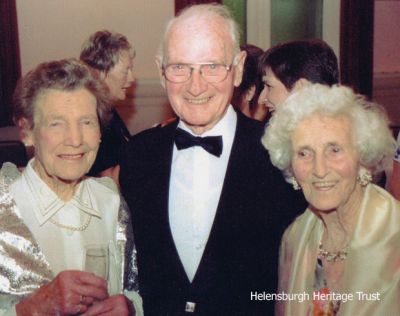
(208,207)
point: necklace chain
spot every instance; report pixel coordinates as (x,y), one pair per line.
(72,228)
(332,256)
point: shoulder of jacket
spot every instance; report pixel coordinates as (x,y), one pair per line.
(151,131)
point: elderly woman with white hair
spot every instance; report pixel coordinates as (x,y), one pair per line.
(343,252)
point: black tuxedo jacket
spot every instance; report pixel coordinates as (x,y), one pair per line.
(241,254)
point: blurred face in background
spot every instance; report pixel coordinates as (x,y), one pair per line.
(274,92)
(120,78)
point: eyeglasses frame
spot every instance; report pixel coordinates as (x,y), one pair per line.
(227,67)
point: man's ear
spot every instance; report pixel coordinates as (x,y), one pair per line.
(301,83)
(160,71)
(239,68)
(26,132)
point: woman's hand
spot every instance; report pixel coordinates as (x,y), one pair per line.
(117,305)
(70,293)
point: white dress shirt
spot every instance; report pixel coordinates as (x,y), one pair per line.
(195,188)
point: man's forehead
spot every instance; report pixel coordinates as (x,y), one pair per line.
(199,41)
(209,26)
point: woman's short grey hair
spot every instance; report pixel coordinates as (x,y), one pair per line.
(372,135)
(63,75)
(102,50)
(202,10)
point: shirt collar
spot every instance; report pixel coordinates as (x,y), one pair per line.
(48,203)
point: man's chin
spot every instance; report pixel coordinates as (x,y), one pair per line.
(199,127)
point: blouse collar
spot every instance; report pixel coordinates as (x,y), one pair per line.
(48,203)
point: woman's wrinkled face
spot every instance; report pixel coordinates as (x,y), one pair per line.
(119,78)
(325,161)
(66,135)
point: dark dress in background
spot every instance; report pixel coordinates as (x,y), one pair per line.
(113,137)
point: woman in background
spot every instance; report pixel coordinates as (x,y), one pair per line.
(329,142)
(292,65)
(111,55)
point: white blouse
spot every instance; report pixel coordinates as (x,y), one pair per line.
(64,248)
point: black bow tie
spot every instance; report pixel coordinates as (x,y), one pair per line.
(212,144)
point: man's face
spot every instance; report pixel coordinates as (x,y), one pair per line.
(192,41)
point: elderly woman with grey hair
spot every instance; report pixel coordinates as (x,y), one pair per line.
(342,254)
(65,244)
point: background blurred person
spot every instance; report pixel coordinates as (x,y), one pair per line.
(111,55)
(246,96)
(51,214)
(329,142)
(291,65)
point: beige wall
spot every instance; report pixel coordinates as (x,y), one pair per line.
(386,85)
(55,29)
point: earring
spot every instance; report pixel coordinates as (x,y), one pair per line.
(364,177)
(295,184)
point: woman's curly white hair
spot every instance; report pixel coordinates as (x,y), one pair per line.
(369,122)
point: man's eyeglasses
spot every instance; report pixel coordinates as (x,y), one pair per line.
(212,73)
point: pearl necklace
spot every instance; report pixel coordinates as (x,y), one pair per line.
(332,256)
(75,229)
